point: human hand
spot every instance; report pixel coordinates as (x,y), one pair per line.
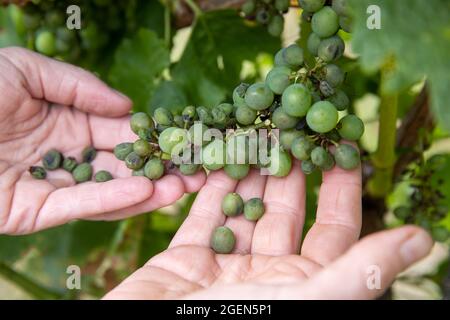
(48,104)
(265,263)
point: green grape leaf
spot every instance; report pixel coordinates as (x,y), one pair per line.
(138,64)
(9,35)
(211,63)
(168,95)
(416,37)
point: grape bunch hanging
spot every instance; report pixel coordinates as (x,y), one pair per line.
(268,13)
(102,23)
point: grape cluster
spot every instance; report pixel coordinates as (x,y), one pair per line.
(292,99)
(326,19)
(81,172)
(426,207)
(44,23)
(268,13)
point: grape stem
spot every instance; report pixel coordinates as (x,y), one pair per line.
(384,157)
(194,7)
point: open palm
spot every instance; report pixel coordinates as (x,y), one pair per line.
(48,104)
(265,263)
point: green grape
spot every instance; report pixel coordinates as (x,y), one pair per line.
(302,147)
(52,160)
(140,120)
(334,75)
(258,96)
(173,140)
(279,60)
(178,120)
(133,161)
(88,154)
(214,155)
(205,116)
(220,118)
(189,169)
(154,169)
(226,108)
(280,162)
(326,89)
(197,134)
(345,23)
(248,7)
(163,116)
(239,94)
(237,171)
(287,137)
(245,116)
(46,42)
(296,100)
(311,5)
(313,43)
(346,156)
(138,173)
(282,120)
(325,22)
(222,240)
(82,173)
(262,15)
(402,212)
(103,176)
(122,150)
(282,5)
(308,167)
(189,113)
(142,148)
(276,25)
(146,134)
(340,7)
(293,55)
(278,79)
(440,233)
(322,158)
(254,209)
(232,204)
(322,117)
(351,127)
(331,49)
(339,99)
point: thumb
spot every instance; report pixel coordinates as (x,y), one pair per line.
(62,83)
(368,269)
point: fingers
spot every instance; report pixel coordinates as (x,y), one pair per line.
(88,199)
(166,191)
(107,132)
(251,187)
(338,220)
(279,230)
(206,212)
(369,268)
(65,84)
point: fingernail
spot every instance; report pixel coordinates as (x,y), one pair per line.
(121,94)
(416,247)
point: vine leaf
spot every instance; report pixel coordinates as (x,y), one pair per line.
(417,37)
(211,63)
(138,64)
